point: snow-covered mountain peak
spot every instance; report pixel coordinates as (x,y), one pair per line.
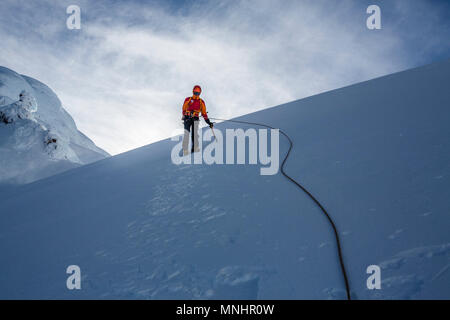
(38,138)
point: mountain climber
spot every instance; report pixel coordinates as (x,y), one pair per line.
(192,108)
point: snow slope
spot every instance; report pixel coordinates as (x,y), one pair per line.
(40,141)
(376,154)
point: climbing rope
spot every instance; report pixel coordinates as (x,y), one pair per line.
(330,220)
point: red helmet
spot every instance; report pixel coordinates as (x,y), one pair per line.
(197,88)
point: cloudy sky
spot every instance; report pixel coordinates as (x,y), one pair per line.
(124,75)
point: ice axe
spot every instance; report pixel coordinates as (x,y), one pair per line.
(215,138)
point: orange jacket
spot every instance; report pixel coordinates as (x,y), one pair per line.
(195,106)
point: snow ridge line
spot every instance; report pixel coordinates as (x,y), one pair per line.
(330,220)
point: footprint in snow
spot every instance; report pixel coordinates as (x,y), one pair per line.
(323,244)
(395,234)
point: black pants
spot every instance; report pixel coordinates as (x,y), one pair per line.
(189,126)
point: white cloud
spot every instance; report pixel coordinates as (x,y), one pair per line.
(124,81)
